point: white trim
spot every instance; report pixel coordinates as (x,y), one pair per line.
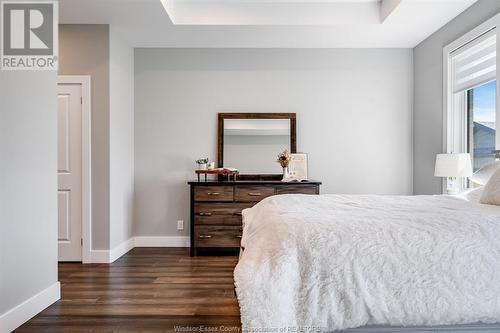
(448,95)
(99,257)
(121,249)
(109,256)
(161,241)
(23,312)
(85,81)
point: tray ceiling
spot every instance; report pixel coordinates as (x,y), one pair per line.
(267,23)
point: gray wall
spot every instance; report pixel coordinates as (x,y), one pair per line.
(84,50)
(121,139)
(354,110)
(28,185)
(428,92)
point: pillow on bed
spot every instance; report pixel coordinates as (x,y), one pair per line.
(473,194)
(484,174)
(491,193)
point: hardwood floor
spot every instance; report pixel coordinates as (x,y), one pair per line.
(147,290)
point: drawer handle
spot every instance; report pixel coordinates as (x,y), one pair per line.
(254,194)
(213,193)
(238,213)
(204,236)
(205,214)
(239,236)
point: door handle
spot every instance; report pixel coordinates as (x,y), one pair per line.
(239,236)
(204,236)
(254,194)
(213,193)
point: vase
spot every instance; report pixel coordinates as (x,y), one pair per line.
(286,174)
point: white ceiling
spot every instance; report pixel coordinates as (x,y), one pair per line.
(267,23)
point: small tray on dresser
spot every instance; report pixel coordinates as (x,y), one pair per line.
(216,206)
(220,172)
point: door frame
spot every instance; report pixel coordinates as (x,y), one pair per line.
(84,81)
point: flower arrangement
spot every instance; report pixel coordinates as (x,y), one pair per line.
(284,159)
(202,161)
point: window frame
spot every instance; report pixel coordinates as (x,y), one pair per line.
(455,110)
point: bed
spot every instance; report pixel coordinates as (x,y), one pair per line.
(369,263)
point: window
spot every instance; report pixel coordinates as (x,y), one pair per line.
(481,102)
(470,88)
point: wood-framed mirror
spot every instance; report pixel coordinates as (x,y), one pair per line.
(251,142)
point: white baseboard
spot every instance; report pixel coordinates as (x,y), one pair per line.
(161,241)
(109,256)
(99,257)
(17,316)
(121,249)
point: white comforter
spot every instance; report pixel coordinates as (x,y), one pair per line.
(337,262)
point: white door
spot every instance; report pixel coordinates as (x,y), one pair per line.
(69,169)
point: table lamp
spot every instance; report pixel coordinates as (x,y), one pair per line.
(453,166)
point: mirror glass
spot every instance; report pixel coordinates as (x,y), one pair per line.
(252,145)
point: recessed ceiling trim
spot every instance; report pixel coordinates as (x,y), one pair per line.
(168,6)
(278,12)
(387,7)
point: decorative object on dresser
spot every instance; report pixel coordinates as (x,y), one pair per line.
(219,171)
(202,163)
(216,206)
(284,161)
(298,166)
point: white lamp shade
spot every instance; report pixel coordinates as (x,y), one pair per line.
(453,165)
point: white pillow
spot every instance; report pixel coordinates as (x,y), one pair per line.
(484,174)
(491,193)
(473,194)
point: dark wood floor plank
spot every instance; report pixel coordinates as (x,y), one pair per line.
(131,324)
(147,290)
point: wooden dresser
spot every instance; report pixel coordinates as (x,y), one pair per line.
(216,209)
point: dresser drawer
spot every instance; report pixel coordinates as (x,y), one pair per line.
(213,193)
(252,193)
(225,213)
(218,236)
(297,189)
